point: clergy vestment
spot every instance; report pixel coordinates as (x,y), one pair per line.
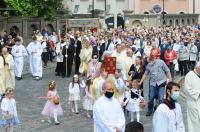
(35,50)
(18,52)
(120,87)
(1,75)
(121,61)
(128,62)
(97,87)
(108,114)
(168,120)
(85,55)
(9,75)
(192,90)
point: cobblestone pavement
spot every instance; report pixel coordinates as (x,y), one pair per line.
(29,95)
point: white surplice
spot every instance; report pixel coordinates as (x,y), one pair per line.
(35,51)
(166,120)
(192,90)
(18,52)
(108,114)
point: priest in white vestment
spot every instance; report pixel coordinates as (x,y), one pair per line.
(168,116)
(192,90)
(120,59)
(9,75)
(107,111)
(35,51)
(18,52)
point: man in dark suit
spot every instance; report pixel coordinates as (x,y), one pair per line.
(73,52)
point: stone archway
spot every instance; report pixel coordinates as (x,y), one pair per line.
(110,21)
(14,30)
(170,22)
(50,28)
(137,23)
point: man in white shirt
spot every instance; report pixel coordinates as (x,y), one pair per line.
(107,111)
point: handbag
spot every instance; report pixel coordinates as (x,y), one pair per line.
(56,100)
(8,116)
(142,103)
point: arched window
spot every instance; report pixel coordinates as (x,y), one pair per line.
(181,12)
(170,22)
(163,12)
(50,28)
(183,22)
(188,21)
(14,30)
(146,12)
(193,21)
(177,22)
(34,27)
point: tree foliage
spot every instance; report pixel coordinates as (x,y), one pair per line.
(37,8)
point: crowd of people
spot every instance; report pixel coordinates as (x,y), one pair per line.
(159,53)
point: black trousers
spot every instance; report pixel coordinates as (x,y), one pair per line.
(59,68)
(171,68)
(183,67)
(191,65)
(45,56)
(64,66)
(69,65)
(77,64)
(50,57)
(70,60)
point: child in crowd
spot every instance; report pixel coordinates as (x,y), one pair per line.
(52,108)
(74,93)
(88,99)
(133,101)
(9,111)
(83,79)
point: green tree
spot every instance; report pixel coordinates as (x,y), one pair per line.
(37,8)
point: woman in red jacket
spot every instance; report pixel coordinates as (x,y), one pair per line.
(170,58)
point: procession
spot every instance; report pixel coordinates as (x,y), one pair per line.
(109,70)
(99,65)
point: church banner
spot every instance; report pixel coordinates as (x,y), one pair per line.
(83,22)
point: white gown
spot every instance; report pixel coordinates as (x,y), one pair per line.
(166,120)
(192,90)
(35,50)
(108,114)
(19,51)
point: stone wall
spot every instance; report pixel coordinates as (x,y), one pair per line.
(150,20)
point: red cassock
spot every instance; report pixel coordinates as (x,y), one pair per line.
(167,56)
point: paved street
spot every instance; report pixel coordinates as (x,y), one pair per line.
(30,94)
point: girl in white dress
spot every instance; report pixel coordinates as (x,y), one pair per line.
(9,111)
(88,99)
(74,93)
(133,100)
